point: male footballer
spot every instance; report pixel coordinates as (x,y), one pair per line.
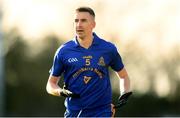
(84,62)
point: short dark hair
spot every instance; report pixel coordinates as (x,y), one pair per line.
(86,9)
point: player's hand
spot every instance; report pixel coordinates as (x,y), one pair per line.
(67,93)
(123,99)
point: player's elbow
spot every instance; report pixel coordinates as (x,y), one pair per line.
(123,74)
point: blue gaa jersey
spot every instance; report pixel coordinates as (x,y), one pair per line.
(86,72)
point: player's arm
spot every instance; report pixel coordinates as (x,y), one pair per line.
(52,86)
(124,81)
(125,92)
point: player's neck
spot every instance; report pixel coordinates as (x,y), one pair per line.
(85,42)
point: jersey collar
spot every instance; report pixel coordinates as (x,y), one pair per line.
(96,40)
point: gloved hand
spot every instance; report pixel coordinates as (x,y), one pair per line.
(67,93)
(123,100)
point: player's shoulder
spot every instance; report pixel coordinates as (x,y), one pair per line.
(68,44)
(107,44)
(63,47)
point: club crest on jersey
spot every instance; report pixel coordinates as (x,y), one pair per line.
(70,60)
(101,62)
(86,79)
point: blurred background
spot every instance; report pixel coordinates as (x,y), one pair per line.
(146,33)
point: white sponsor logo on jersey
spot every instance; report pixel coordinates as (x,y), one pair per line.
(70,60)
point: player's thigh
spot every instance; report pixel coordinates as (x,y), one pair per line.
(69,113)
(103,111)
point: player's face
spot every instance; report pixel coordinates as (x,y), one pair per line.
(84,24)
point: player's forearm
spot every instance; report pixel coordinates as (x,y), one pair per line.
(124,85)
(124,81)
(52,86)
(53,89)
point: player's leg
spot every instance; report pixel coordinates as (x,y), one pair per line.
(113,110)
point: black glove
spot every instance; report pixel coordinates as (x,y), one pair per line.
(67,93)
(123,100)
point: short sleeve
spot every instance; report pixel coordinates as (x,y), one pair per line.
(57,67)
(116,63)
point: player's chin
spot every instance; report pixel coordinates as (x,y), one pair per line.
(80,35)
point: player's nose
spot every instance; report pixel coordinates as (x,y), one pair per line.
(79,23)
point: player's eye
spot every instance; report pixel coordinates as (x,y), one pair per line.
(84,20)
(76,20)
